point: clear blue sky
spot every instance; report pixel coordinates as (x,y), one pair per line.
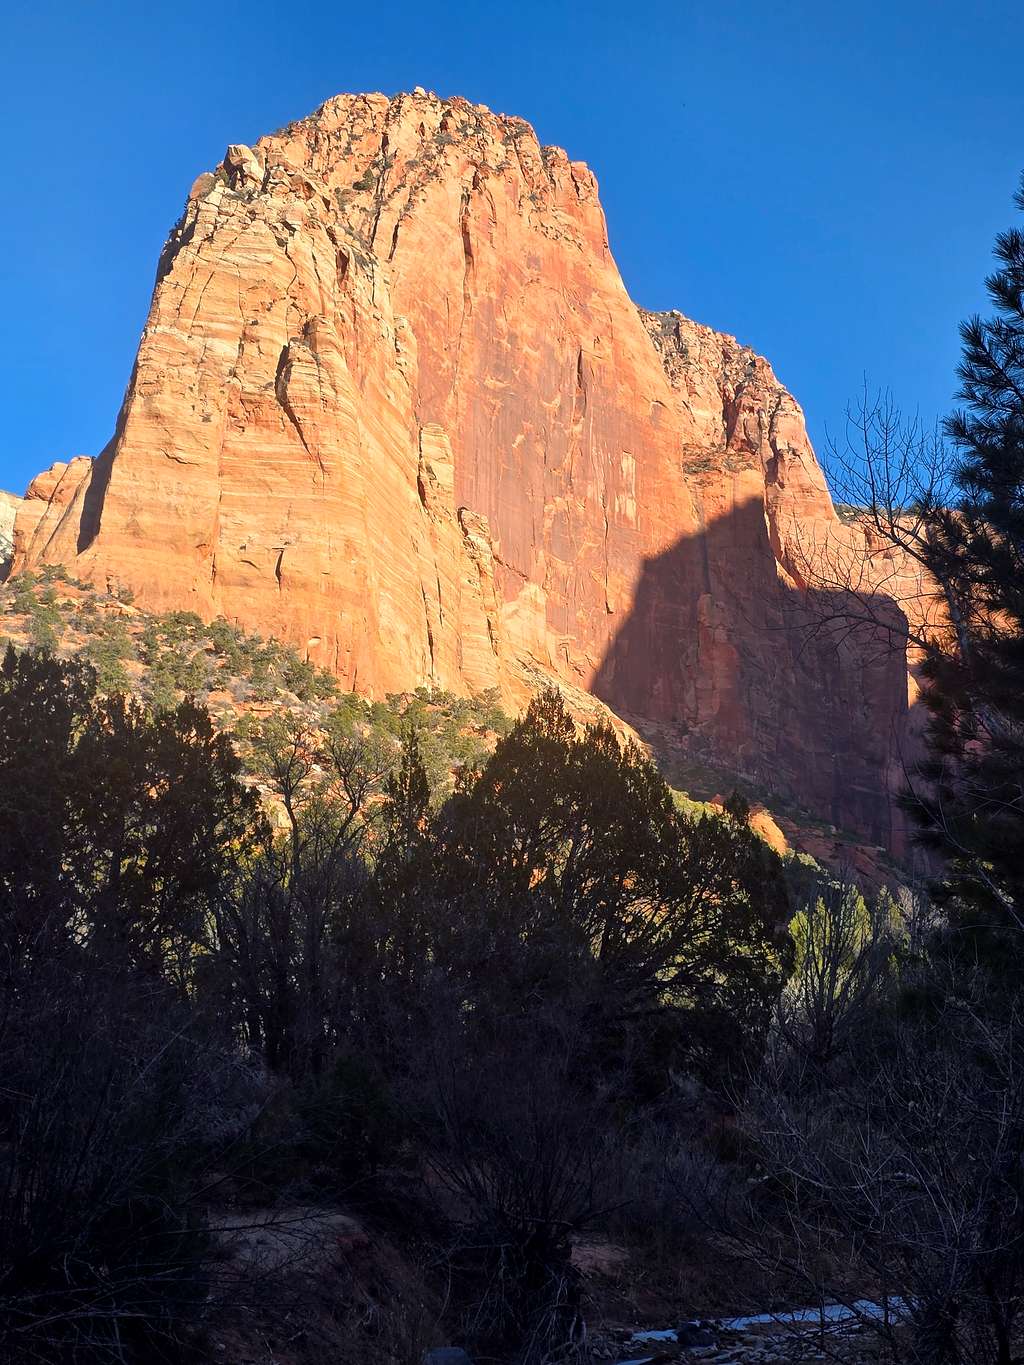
(823,180)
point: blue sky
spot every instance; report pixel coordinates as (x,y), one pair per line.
(823,180)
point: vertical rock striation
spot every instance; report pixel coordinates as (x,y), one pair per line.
(394,404)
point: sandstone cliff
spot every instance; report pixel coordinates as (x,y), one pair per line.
(9,505)
(394,404)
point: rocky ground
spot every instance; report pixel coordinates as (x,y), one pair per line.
(698,1303)
(745,1342)
(329,1288)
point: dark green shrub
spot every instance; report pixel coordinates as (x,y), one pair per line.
(22,590)
(351,1126)
(107,652)
(43,631)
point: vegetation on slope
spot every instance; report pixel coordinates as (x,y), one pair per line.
(248,684)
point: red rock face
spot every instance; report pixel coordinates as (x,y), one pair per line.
(393,403)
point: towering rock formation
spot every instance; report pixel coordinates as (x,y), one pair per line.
(393,403)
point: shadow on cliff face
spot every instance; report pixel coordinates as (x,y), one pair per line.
(734,675)
(95,492)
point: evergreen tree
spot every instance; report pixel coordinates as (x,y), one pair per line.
(117,825)
(572,843)
(407,800)
(970,805)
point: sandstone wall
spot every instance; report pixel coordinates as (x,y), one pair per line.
(393,403)
(9,505)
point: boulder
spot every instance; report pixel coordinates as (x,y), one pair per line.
(447,1355)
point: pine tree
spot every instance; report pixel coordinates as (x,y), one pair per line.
(970,805)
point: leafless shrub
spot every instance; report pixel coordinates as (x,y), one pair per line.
(888,476)
(653,1164)
(904,1184)
(110,1106)
(515,1137)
